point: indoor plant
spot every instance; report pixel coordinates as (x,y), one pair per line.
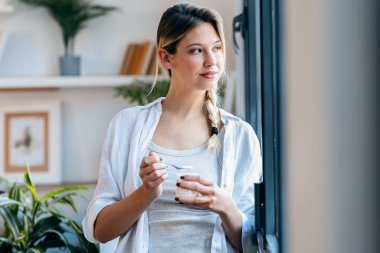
(138,91)
(71,16)
(33,224)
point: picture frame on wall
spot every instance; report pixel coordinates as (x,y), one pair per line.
(26,139)
(30,132)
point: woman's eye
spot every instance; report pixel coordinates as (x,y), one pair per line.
(218,48)
(196,51)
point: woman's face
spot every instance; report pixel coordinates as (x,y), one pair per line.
(199,61)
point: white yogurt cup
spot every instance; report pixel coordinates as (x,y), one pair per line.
(180,192)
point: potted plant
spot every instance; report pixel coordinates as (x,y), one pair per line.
(71,16)
(33,224)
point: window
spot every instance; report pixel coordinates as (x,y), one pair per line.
(259,27)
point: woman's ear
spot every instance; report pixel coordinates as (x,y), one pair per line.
(165,58)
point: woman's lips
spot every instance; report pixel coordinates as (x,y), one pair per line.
(209,75)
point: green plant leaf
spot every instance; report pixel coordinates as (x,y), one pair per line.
(26,230)
(35,250)
(67,200)
(61,190)
(34,226)
(138,91)
(71,15)
(76,227)
(29,183)
(26,200)
(10,221)
(5,201)
(7,241)
(35,210)
(84,246)
(44,224)
(51,239)
(14,193)
(58,213)
(20,239)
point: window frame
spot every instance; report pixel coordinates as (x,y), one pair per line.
(261,33)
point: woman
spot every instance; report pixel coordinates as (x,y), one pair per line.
(146,146)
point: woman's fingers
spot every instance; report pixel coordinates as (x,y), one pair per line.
(145,171)
(197,178)
(201,201)
(212,198)
(195,186)
(148,160)
(155,174)
(159,180)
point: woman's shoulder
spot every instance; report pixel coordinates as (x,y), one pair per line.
(130,113)
(245,141)
(237,123)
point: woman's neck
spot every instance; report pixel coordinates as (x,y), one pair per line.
(184,105)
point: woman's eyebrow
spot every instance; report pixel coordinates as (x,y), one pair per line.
(200,44)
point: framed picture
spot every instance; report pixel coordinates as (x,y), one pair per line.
(26,139)
(30,132)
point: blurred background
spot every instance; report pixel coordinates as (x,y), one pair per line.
(325,71)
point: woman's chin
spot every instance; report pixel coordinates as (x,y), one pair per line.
(209,84)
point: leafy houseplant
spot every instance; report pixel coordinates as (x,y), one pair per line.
(138,91)
(33,224)
(71,16)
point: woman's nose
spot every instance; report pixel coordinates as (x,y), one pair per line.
(210,59)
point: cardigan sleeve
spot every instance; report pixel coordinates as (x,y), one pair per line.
(107,191)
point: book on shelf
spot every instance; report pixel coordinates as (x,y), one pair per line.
(127,59)
(150,52)
(135,56)
(140,59)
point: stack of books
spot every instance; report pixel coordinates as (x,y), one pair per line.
(139,59)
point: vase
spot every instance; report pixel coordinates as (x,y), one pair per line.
(69,65)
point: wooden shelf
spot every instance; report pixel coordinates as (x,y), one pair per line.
(68,81)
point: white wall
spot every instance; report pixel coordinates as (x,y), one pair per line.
(35,43)
(85,115)
(33,47)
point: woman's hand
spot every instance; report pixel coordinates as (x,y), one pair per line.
(153,173)
(216,201)
(212,197)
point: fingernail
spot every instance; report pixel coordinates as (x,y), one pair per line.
(178,184)
(176,199)
(182,177)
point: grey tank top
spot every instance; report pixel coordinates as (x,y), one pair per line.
(174,227)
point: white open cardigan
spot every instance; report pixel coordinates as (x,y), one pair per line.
(128,136)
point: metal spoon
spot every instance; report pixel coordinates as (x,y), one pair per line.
(184,167)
